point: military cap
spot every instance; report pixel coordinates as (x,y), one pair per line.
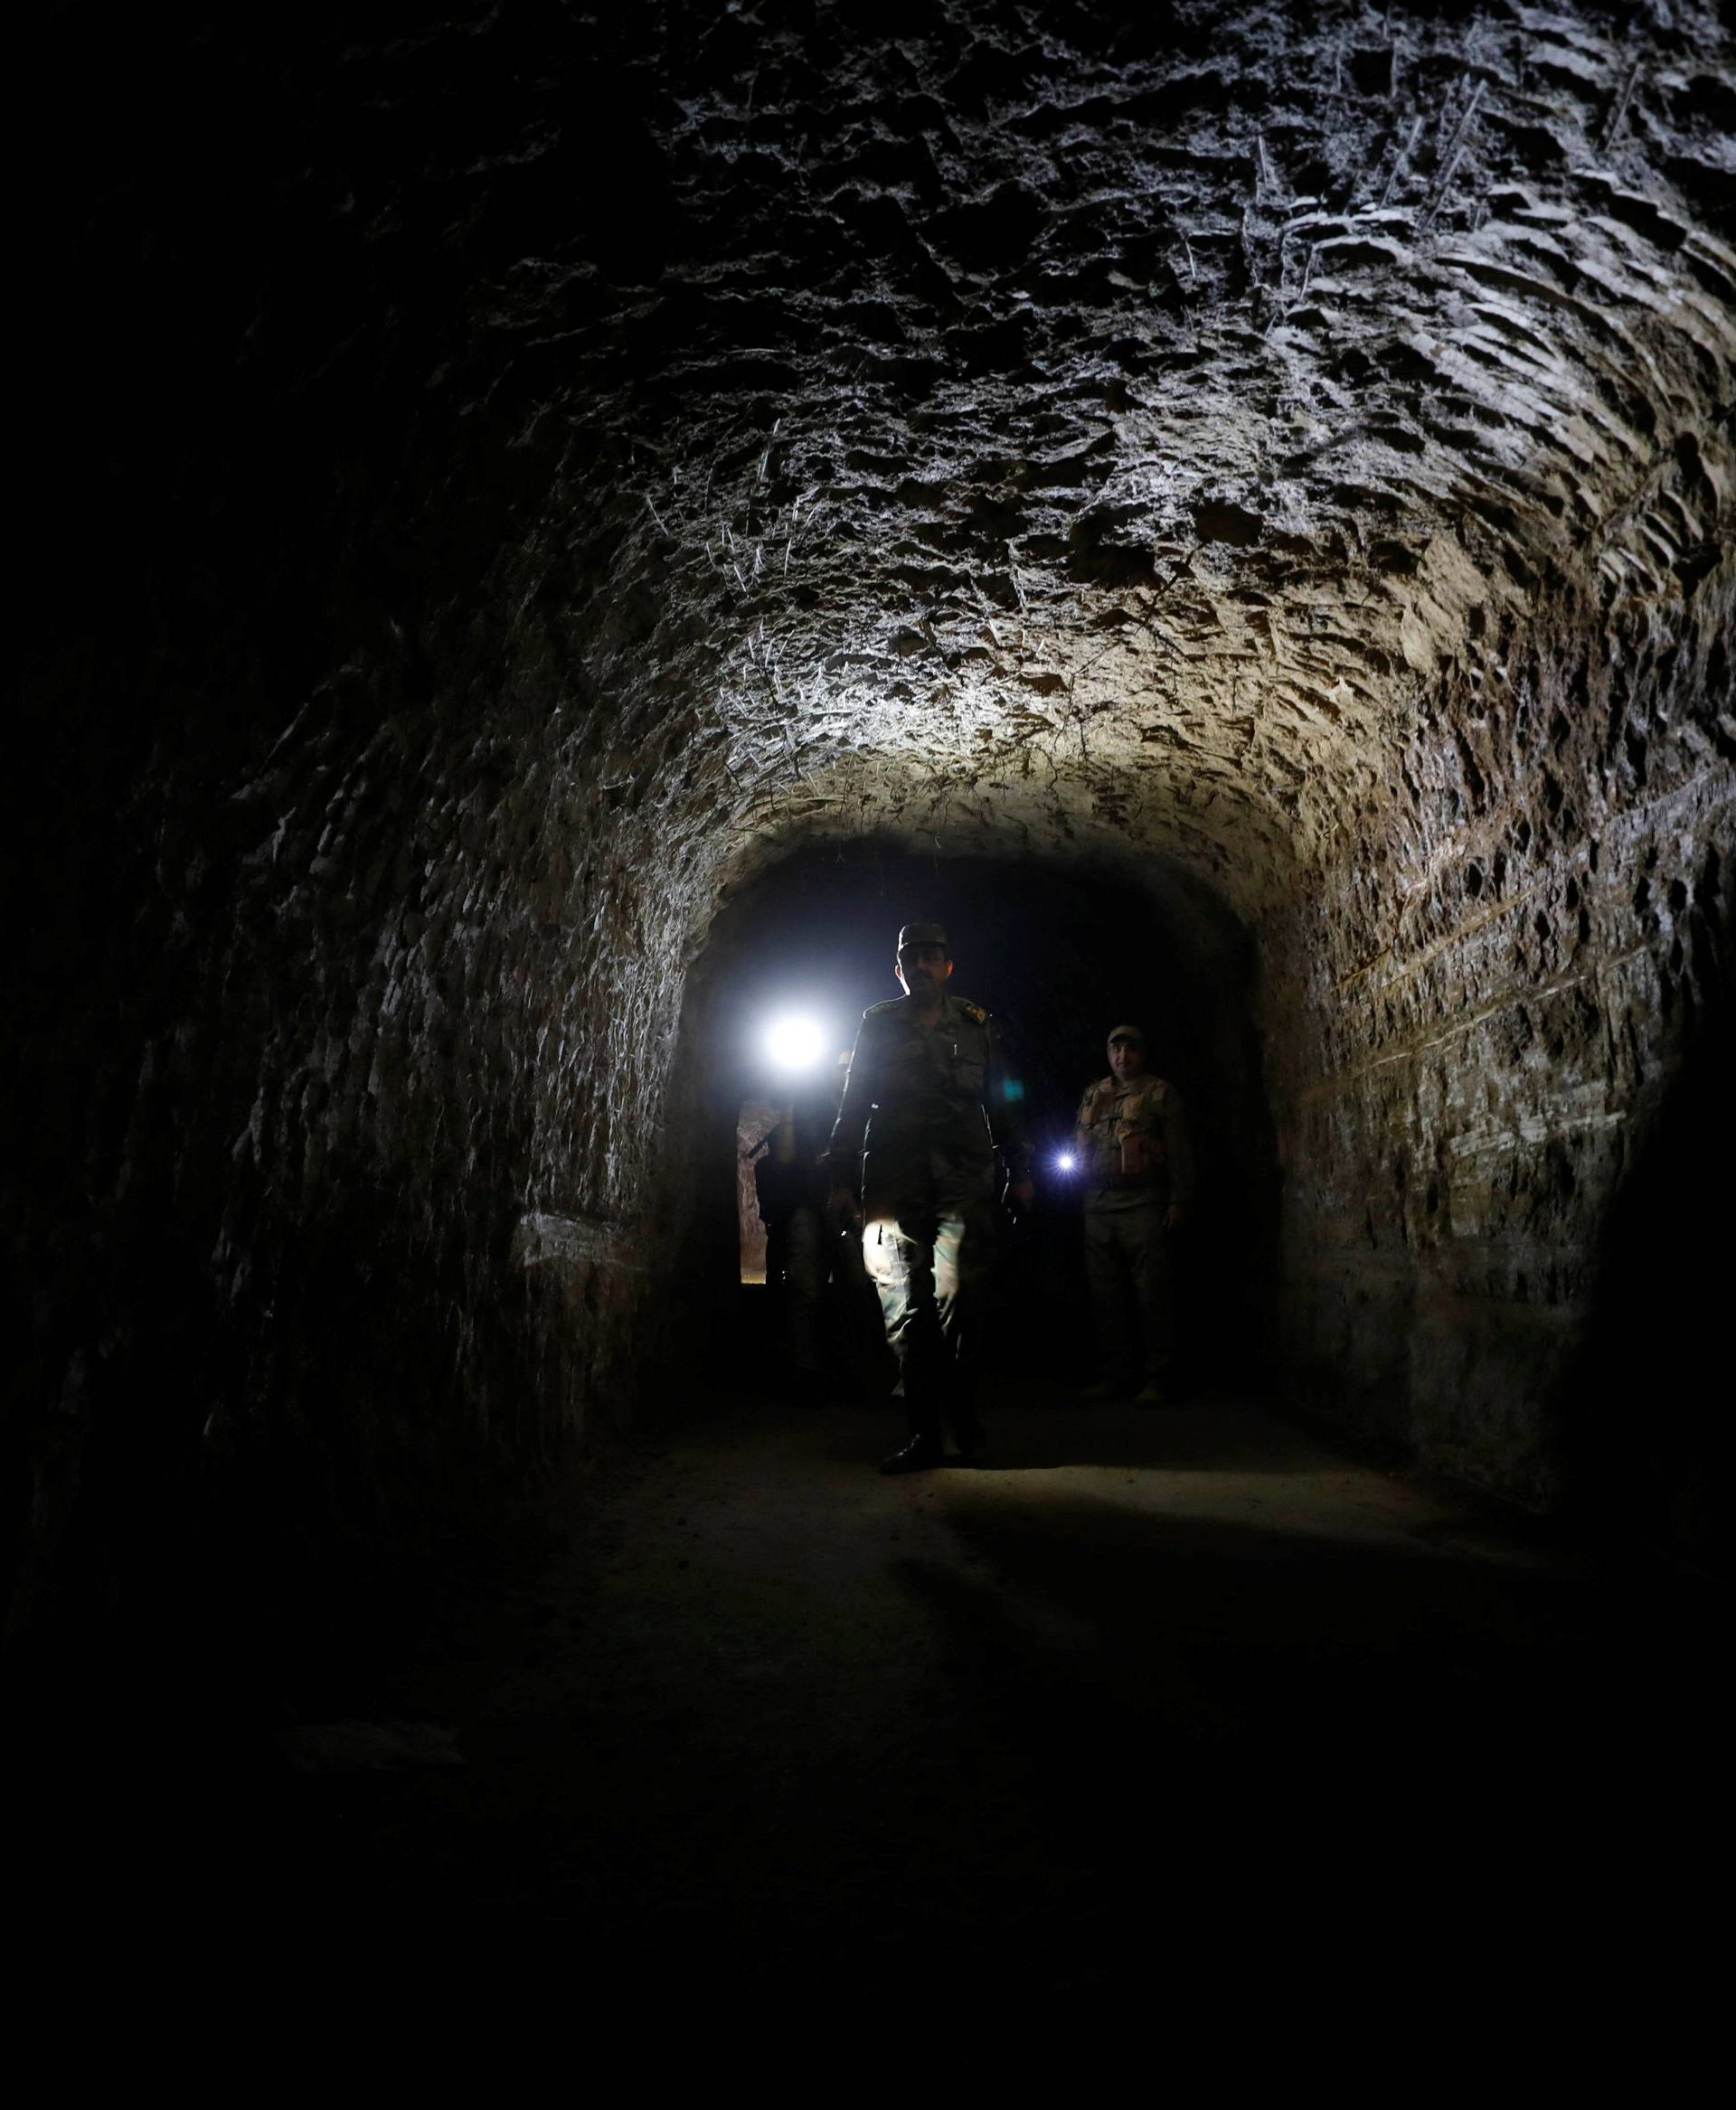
(922,934)
(1126,1033)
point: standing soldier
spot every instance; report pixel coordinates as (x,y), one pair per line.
(927,1093)
(1130,1137)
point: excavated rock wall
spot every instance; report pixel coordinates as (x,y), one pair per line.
(1499,1002)
(516,477)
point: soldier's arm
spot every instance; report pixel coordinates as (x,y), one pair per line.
(843,1157)
(1178,1151)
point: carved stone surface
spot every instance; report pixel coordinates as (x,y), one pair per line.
(559,466)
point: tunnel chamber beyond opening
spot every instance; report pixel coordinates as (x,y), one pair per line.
(1058,952)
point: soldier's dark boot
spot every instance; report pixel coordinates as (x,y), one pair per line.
(917,1455)
(924,1449)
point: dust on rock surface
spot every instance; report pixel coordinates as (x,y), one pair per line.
(756,1709)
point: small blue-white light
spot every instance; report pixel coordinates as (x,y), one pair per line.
(1066,1162)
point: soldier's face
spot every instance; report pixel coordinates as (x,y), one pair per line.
(1127,1058)
(923,970)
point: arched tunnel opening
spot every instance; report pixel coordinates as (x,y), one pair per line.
(1059,952)
(552,535)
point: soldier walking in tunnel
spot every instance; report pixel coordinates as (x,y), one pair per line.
(927,1099)
(1131,1137)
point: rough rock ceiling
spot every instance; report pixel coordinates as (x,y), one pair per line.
(505,478)
(999,409)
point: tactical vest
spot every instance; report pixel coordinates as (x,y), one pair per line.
(1121,1131)
(922,1093)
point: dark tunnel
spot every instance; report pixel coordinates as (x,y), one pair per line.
(1058,952)
(546,535)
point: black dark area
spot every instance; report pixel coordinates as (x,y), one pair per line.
(1059,955)
(1645,1438)
(1133,1732)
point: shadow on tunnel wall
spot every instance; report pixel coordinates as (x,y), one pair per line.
(1058,952)
(262,453)
(219,1478)
(1643,1410)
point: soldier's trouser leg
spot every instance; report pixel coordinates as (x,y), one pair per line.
(901,1265)
(866,1350)
(962,1255)
(806,1263)
(1144,1243)
(1106,1273)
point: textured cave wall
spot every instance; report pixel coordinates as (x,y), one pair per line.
(501,479)
(1501,1000)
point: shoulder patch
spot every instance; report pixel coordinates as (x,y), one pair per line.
(973,1010)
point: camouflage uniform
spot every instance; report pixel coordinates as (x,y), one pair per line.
(933,1106)
(1132,1143)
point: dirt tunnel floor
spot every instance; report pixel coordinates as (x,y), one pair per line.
(1155,1682)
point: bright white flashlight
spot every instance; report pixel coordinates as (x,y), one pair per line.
(795,1043)
(1065,1162)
